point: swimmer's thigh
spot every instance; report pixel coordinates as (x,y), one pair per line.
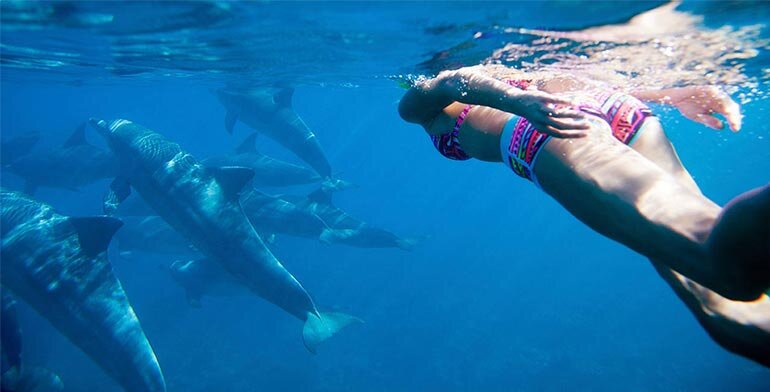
(653,144)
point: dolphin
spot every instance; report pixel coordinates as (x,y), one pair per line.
(270,214)
(58,265)
(14,148)
(268,171)
(152,234)
(14,377)
(350,230)
(270,111)
(202,204)
(71,166)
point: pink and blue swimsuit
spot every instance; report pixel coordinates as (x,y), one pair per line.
(520,143)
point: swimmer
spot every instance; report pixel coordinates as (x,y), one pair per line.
(603,155)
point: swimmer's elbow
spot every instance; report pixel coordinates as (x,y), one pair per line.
(426,99)
(407,109)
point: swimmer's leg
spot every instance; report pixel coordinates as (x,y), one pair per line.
(653,144)
(740,242)
(623,195)
(742,328)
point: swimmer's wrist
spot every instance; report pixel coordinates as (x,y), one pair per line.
(511,100)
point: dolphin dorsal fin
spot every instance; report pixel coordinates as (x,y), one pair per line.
(232,179)
(247,145)
(78,137)
(320,196)
(283,96)
(95,232)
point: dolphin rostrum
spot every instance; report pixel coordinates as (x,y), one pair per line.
(58,265)
(202,204)
(270,111)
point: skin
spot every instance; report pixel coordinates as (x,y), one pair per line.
(648,200)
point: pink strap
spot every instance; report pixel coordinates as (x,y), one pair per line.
(460,119)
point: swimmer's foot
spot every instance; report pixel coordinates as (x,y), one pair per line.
(740,246)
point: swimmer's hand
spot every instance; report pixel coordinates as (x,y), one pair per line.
(702,103)
(549,113)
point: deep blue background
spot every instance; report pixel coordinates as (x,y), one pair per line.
(508,293)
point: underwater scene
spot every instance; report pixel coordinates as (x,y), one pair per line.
(561,195)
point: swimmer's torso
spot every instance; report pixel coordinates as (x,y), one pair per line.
(479,134)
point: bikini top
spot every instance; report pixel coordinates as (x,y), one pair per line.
(448,144)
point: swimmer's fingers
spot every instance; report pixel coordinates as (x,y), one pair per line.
(708,120)
(567,122)
(555,100)
(563,133)
(560,129)
(732,112)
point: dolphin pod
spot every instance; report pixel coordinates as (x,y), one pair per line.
(58,265)
(202,204)
(270,111)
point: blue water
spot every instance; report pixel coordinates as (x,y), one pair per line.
(509,292)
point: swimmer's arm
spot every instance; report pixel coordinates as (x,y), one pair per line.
(426,100)
(698,103)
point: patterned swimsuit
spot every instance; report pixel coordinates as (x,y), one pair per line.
(520,143)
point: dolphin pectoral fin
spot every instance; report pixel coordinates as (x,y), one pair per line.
(247,146)
(120,189)
(95,232)
(322,326)
(232,179)
(230,119)
(78,138)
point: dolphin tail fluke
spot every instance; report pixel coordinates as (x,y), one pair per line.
(322,326)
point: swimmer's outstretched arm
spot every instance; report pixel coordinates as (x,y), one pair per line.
(423,102)
(698,103)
